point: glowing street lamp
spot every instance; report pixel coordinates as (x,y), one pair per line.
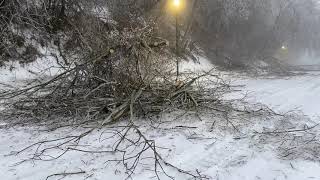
(176,3)
(284,47)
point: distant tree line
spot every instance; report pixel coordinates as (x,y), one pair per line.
(245,30)
(230,32)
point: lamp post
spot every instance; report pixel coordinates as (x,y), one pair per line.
(177,4)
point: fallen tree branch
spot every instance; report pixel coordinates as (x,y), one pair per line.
(289,131)
(64,174)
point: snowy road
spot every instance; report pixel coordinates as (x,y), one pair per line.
(286,93)
(216,154)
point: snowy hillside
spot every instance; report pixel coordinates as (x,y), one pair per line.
(203,147)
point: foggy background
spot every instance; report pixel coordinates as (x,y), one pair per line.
(239,32)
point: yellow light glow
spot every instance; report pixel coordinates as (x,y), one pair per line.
(284,48)
(176,3)
(175,6)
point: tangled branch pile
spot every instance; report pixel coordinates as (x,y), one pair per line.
(110,64)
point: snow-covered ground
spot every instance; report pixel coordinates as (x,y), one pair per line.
(287,93)
(219,154)
(15,73)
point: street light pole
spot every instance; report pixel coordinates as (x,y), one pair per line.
(177,43)
(177,7)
